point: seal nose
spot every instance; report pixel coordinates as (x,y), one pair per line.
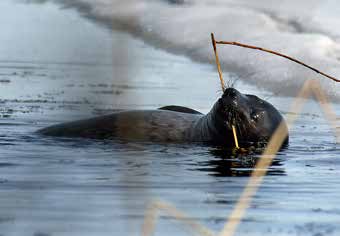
(231,93)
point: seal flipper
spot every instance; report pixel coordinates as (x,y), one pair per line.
(180,109)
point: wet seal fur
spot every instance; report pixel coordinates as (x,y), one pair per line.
(255,121)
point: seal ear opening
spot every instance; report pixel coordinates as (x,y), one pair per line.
(180,109)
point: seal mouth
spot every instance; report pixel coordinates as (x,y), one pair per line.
(235,113)
(232,103)
(235,117)
(230,116)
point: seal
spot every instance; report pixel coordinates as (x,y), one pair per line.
(255,121)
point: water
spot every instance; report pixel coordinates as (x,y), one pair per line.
(57,66)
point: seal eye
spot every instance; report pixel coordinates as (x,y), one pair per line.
(255,116)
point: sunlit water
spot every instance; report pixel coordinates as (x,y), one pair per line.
(56,66)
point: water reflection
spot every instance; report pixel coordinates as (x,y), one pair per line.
(227,162)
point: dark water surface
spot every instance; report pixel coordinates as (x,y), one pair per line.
(56,66)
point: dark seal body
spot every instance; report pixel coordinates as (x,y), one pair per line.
(255,121)
(140,125)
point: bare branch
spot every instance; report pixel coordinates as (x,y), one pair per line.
(278,54)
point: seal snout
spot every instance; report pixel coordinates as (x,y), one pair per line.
(231,97)
(231,93)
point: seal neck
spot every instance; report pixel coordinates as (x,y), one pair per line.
(208,127)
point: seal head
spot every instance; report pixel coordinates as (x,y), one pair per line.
(255,119)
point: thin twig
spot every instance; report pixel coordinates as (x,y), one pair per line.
(155,209)
(217,62)
(235,136)
(278,54)
(221,79)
